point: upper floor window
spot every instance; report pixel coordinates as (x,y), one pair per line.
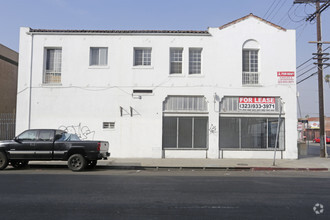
(176,60)
(52,74)
(250,63)
(142,56)
(98,56)
(195,60)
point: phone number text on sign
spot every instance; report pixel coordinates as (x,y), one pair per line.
(256,103)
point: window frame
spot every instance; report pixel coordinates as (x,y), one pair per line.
(251,77)
(52,76)
(193,63)
(98,65)
(239,118)
(172,62)
(181,108)
(179,136)
(144,57)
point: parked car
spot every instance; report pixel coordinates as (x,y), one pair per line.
(52,144)
(317,140)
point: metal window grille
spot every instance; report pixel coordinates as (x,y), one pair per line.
(195,60)
(185,104)
(250,75)
(142,56)
(53,66)
(108,125)
(98,56)
(176,60)
(7,126)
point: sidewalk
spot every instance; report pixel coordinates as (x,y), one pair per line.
(310,164)
(303,164)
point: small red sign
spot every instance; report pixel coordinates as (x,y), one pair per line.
(288,74)
(285,77)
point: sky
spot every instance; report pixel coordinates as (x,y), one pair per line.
(176,15)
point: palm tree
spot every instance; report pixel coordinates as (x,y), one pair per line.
(327,79)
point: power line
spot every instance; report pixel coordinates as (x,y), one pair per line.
(311,58)
(269,8)
(306,72)
(306,78)
(285,15)
(273,10)
(310,76)
(278,10)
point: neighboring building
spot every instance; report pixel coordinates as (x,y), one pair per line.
(8,79)
(165,94)
(312,127)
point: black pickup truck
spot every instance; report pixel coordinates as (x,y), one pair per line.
(52,144)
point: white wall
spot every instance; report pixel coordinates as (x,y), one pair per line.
(90,96)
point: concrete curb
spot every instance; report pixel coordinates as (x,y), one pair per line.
(210,168)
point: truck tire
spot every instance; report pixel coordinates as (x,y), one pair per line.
(91,164)
(77,162)
(19,163)
(3,161)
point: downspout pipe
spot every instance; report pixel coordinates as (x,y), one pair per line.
(30,86)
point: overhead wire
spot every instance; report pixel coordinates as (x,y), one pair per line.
(269,8)
(310,76)
(278,10)
(285,15)
(310,59)
(278,2)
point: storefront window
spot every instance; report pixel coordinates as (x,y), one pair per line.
(185,132)
(253,132)
(182,131)
(250,132)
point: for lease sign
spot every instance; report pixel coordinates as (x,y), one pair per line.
(256,103)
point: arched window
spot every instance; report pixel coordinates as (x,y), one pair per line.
(250,61)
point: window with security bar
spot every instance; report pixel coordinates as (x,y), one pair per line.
(195,61)
(176,60)
(98,56)
(142,56)
(250,75)
(52,74)
(179,104)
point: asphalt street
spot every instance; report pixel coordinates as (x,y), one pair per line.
(57,193)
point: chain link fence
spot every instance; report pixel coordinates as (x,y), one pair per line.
(7,126)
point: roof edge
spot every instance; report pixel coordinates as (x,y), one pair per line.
(254,16)
(138,32)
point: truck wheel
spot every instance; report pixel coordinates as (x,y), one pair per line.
(91,164)
(19,163)
(77,162)
(3,161)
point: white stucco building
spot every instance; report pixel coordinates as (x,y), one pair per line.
(165,94)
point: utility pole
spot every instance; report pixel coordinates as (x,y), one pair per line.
(317,15)
(323,151)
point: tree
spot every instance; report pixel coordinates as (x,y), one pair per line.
(327,79)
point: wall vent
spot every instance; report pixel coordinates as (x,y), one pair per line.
(108,125)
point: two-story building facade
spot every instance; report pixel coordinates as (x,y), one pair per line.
(228,92)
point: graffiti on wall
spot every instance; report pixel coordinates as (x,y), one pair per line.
(213,129)
(83,132)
